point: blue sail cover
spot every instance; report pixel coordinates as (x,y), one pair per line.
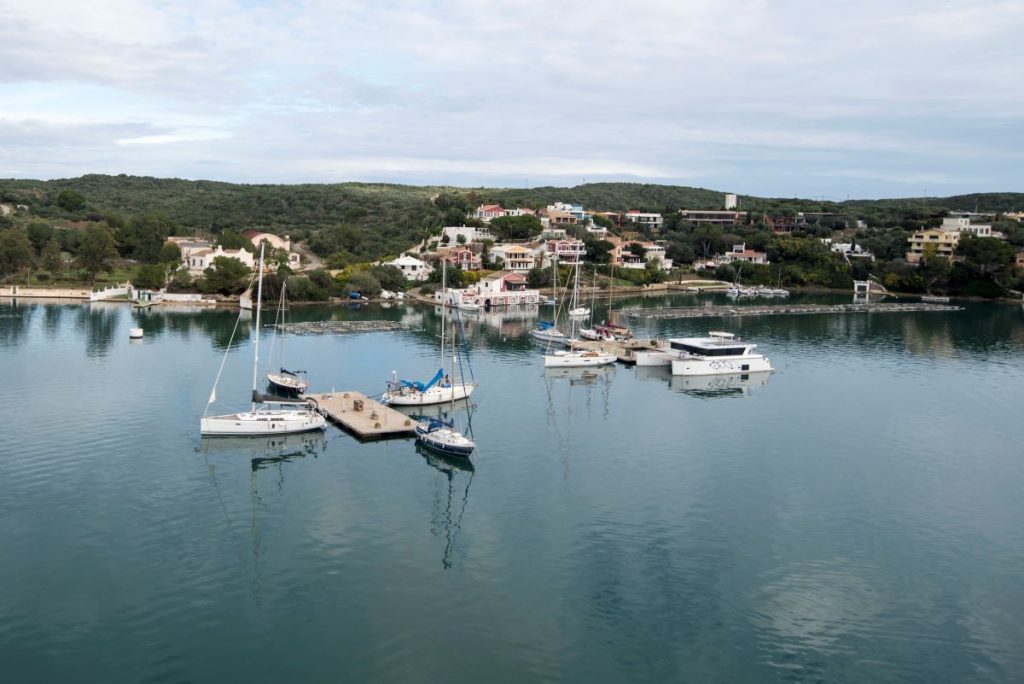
(545,325)
(419,386)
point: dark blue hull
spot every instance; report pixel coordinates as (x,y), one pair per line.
(441,447)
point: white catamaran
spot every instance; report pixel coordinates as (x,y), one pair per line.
(266,415)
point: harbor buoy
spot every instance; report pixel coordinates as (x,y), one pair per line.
(135,333)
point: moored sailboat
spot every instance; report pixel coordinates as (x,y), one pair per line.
(266,416)
(440,388)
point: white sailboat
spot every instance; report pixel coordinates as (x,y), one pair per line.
(578,358)
(575,310)
(265,416)
(440,388)
(288,381)
(547,331)
(439,434)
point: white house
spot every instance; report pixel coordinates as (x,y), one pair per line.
(646,219)
(622,254)
(199,260)
(741,253)
(962,224)
(486,212)
(411,267)
(500,289)
(469,234)
(514,257)
(275,242)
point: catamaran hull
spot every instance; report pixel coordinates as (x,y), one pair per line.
(434,395)
(262,423)
(698,365)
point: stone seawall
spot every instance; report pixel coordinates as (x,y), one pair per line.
(44,292)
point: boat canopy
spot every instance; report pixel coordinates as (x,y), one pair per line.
(545,325)
(438,423)
(419,386)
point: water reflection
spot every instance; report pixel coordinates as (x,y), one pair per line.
(99,322)
(268,454)
(718,386)
(265,451)
(449,509)
(14,322)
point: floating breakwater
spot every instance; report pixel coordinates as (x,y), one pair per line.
(780,309)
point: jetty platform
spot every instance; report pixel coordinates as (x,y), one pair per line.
(783,309)
(623,350)
(363,417)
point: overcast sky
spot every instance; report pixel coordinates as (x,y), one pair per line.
(779,97)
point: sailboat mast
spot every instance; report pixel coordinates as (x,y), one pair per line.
(256,338)
(444,304)
(284,323)
(452,382)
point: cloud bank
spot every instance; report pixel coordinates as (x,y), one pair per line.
(796,98)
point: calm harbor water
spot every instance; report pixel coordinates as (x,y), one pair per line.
(858,516)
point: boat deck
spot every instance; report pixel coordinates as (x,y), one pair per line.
(363,417)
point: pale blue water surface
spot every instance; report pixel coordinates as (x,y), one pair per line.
(858,516)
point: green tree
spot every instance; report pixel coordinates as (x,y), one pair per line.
(516,227)
(599,251)
(39,234)
(226,276)
(389,277)
(150,276)
(990,256)
(170,253)
(364,283)
(232,239)
(71,201)
(97,249)
(144,237)
(15,251)
(51,258)
(181,281)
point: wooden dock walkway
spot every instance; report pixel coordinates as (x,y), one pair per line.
(782,309)
(363,417)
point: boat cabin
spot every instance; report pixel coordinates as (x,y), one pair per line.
(715,344)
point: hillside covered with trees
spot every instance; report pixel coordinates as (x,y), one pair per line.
(97,219)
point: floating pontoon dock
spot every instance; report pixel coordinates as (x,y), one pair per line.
(363,417)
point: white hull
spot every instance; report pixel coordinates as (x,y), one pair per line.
(655,358)
(410,396)
(720,365)
(548,335)
(577,359)
(579,312)
(262,422)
